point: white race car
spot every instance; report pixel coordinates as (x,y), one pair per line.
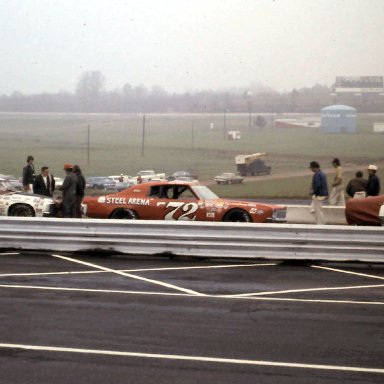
(26,205)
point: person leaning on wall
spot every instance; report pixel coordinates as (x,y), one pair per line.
(356,187)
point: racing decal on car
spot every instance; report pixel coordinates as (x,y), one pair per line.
(178,207)
(255,211)
(122,200)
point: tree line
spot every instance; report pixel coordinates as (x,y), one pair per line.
(90,95)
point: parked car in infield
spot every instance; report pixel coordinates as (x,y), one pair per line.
(365,211)
(176,200)
(228,178)
(26,205)
(183,176)
(101,182)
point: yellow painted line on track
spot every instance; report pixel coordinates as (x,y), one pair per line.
(137,270)
(199,359)
(151,281)
(348,272)
(206,296)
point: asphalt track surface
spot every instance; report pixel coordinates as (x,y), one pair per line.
(69,318)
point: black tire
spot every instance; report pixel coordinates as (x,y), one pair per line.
(124,214)
(22,210)
(237,215)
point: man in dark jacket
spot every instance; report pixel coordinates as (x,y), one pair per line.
(44,183)
(373,185)
(319,191)
(28,175)
(69,192)
(357,184)
(80,188)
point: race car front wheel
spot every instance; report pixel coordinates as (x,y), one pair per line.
(238,215)
(22,210)
(124,214)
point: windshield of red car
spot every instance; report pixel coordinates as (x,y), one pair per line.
(204,192)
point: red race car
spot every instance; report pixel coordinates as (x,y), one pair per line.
(365,211)
(176,200)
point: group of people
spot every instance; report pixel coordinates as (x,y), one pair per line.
(72,189)
(357,187)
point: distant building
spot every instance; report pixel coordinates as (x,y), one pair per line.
(338,119)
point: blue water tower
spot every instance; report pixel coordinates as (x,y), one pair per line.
(338,119)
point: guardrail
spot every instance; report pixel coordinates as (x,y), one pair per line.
(200,239)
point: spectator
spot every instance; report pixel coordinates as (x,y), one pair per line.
(373,185)
(29,175)
(337,192)
(69,192)
(356,187)
(80,188)
(44,183)
(319,191)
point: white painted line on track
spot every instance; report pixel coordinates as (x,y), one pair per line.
(137,270)
(9,253)
(151,281)
(207,296)
(309,290)
(200,359)
(348,272)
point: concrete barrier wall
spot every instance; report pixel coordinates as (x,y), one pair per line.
(300,214)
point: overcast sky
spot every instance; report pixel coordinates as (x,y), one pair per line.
(188,44)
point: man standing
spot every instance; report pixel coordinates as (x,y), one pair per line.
(69,192)
(44,183)
(319,191)
(373,185)
(80,188)
(28,175)
(337,191)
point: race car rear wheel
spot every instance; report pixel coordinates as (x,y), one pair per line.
(22,210)
(238,215)
(124,214)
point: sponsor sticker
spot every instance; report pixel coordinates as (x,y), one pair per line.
(122,200)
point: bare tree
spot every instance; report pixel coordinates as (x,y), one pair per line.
(89,90)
